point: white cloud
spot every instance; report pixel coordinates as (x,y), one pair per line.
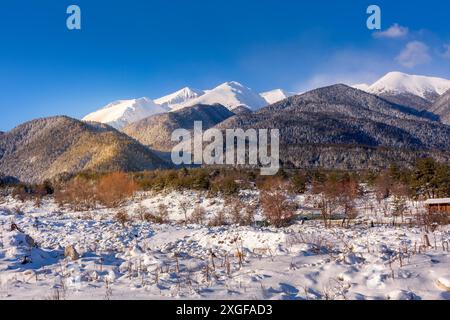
(395,31)
(347,66)
(320,80)
(415,53)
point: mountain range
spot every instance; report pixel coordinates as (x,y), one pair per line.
(395,120)
(231,94)
(346,128)
(418,92)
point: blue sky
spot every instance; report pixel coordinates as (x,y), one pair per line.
(132,48)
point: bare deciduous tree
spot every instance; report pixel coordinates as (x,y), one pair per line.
(277,208)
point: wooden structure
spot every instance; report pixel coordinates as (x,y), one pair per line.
(438,205)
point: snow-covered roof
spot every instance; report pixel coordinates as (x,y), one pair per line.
(438,201)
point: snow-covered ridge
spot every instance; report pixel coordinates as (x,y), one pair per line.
(229,94)
(401,83)
(119,113)
(179,97)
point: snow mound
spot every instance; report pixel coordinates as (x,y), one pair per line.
(22,252)
(402,295)
(263,242)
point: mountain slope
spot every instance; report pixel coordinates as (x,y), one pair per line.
(45,148)
(156,131)
(122,112)
(415,91)
(179,97)
(276,95)
(342,127)
(442,108)
(229,94)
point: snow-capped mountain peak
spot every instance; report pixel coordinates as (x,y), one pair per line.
(229,94)
(401,83)
(179,97)
(122,112)
(276,95)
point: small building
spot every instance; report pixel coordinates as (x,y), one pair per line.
(438,205)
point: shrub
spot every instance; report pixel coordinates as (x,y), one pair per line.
(383,185)
(142,213)
(78,193)
(22,192)
(337,191)
(431,220)
(199,215)
(298,183)
(226,185)
(240,212)
(184,205)
(277,208)
(122,217)
(219,219)
(266,183)
(196,179)
(114,189)
(248,216)
(163,214)
(235,208)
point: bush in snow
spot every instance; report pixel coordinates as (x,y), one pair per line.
(78,193)
(122,217)
(114,189)
(277,208)
(162,214)
(299,183)
(220,219)
(198,216)
(337,192)
(225,184)
(240,213)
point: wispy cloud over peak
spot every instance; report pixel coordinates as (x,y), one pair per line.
(415,53)
(393,32)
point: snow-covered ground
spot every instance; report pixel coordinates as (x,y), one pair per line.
(149,261)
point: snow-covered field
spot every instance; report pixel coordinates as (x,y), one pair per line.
(173,261)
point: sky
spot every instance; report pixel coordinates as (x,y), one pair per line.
(135,48)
